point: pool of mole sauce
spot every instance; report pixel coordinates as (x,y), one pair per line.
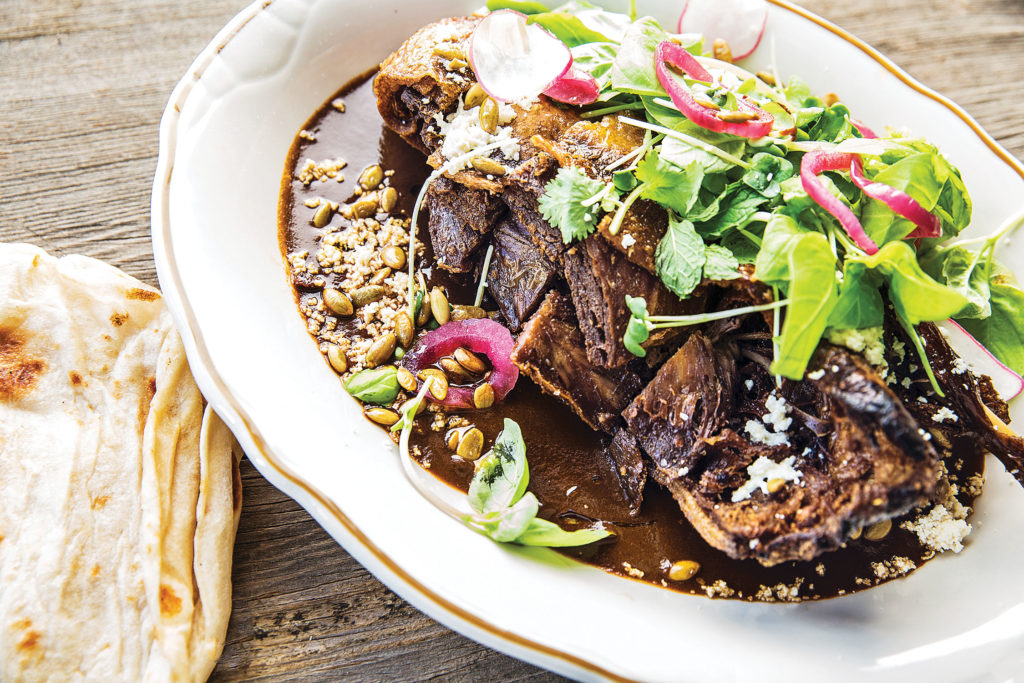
(570,472)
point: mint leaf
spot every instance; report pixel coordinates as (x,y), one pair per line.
(669,185)
(562,203)
(680,257)
(720,263)
(502,475)
(541,532)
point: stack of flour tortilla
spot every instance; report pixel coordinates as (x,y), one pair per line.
(119,491)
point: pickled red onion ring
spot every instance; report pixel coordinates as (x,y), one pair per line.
(900,202)
(816,163)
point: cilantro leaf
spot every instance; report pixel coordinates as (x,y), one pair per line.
(680,258)
(562,203)
(669,185)
(720,263)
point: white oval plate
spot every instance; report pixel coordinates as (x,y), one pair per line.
(223,143)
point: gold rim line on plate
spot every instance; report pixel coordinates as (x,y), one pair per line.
(166,153)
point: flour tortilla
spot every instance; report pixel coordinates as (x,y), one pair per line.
(119,492)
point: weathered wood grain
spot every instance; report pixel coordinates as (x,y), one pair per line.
(82,87)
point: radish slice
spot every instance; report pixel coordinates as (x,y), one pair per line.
(900,202)
(574,87)
(740,23)
(980,360)
(513,59)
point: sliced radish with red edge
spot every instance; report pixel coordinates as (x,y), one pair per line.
(741,23)
(513,59)
(980,360)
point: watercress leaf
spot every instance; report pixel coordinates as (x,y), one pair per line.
(832,125)
(916,297)
(799,93)
(377,385)
(505,526)
(624,181)
(524,6)
(767,173)
(964,271)
(1002,332)
(562,203)
(636,334)
(637,305)
(502,475)
(568,28)
(546,534)
(721,264)
(704,210)
(735,210)
(780,237)
(633,70)
(860,302)
(680,257)
(596,59)
(667,184)
(813,295)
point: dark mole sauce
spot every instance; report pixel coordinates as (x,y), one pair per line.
(569,471)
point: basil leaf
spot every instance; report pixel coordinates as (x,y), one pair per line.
(916,297)
(524,6)
(510,523)
(541,532)
(813,295)
(721,264)
(568,28)
(667,184)
(633,70)
(1002,332)
(502,475)
(680,257)
(562,203)
(379,385)
(860,302)
(767,174)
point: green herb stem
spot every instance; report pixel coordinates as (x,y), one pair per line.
(483,276)
(688,139)
(922,354)
(637,153)
(776,327)
(620,214)
(658,322)
(594,113)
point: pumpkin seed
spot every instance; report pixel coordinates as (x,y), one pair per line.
(489,115)
(775,484)
(423,316)
(322,216)
(471,444)
(683,570)
(380,276)
(388,197)
(404,329)
(857,534)
(470,361)
(475,96)
(721,50)
(338,302)
(420,407)
(736,116)
(449,51)
(453,438)
(830,99)
(367,295)
(439,387)
(406,380)
(460,312)
(336,357)
(706,102)
(382,416)
(455,371)
(879,530)
(393,257)
(380,351)
(483,396)
(767,78)
(365,207)
(371,177)
(439,306)
(488,166)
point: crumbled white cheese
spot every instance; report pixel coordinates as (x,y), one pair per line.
(817,374)
(868,341)
(758,433)
(763,470)
(959,366)
(944,414)
(777,418)
(941,529)
(463,133)
(628,241)
(749,383)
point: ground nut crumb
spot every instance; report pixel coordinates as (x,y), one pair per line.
(328,168)
(894,568)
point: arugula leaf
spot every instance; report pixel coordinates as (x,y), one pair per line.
(916,297)
(860,302)
(767,174)
(543,533)
(680,257)
(966,272)
(667,184)
(832,125)
(813,295)
(524,6)
(568,28)
(721,264)
(633,70)
(736,210)
(503,474)
(562,203)
(1002,332)
(780,237)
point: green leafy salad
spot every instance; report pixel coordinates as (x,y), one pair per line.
(761,175)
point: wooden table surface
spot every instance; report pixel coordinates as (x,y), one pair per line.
(82,87)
